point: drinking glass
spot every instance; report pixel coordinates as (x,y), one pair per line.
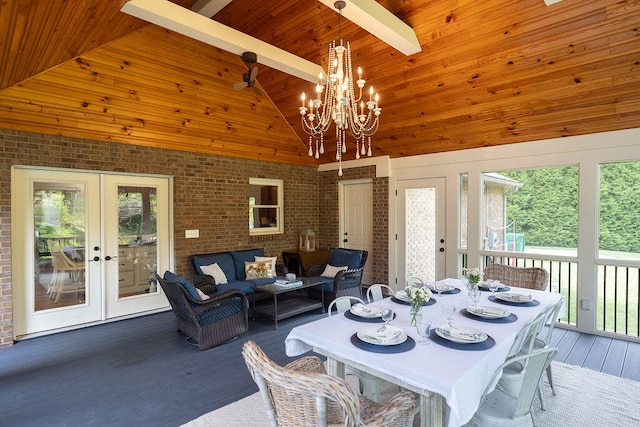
(387,315)
(449,310)
(493,286)
(438,287)
(424,328)
(475,294)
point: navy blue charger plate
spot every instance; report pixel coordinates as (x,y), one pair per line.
(500,289)
(449,292)
(531,303)
(478,346)
(374,348)
(349,315)
(508,319)
(399,301)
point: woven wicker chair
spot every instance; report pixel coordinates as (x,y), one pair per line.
(211,322)
(345,283)
(301,394)
(523,277)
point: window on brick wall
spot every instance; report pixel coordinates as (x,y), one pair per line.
(265,206)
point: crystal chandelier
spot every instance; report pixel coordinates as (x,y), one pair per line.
(339,104)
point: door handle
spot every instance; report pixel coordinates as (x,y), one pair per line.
(345,240)
(95,258)
(441,249)
(108,258)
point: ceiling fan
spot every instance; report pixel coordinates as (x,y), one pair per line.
(249,78)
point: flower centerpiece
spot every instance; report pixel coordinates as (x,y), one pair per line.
(473,275)
(417,297)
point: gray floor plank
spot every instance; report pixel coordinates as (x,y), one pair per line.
(566,344)
(631,367)
(580,350)
(615,358)
(597,354)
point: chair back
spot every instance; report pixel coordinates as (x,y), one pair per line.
(550,317)
(343,304)
(175,293)
(523,277)
(374,293)
(414,281)
(523,344)
(300,398)
(535,362)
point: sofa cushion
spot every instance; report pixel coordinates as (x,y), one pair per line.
(224,260)
(216,272)
(219,312)
(239,258)
(350,258)
(331,271)
(241,285)
(258,270)
(327,284)
(187,285)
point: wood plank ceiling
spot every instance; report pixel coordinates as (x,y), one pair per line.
(490,72)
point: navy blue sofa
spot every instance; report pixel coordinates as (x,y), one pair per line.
(232,264)
(345,283)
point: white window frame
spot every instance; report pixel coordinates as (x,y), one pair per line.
(279,207)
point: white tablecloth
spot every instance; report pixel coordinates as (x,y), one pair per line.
(459,376)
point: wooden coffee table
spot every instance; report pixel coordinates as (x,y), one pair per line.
(287,300)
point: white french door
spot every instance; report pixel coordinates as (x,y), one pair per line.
(421,229)
(85,247)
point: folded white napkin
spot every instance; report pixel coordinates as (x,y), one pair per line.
(364,311)
(383,334)
(515,297)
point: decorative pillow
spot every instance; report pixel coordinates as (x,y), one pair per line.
(191,289)
(203,296)
(270,259)
(331,271)
(258,270)
(216,272)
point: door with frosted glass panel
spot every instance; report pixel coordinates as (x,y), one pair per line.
(421,230)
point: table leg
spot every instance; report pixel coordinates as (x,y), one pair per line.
(275,309)
(431,413)
(335,368)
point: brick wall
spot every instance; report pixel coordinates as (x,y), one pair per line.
(210,194)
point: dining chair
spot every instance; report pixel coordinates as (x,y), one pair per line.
(414,281)
(543,340)
(67,276)
(500,408)
(374,293)
(343,304)
(513,373)
(370,385)
(301,394)
(522,277)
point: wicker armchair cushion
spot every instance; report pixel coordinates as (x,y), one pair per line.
(190,287)
(240,257)
(225,309)
(216,272)
(224,260)
(331,271)
(350,258)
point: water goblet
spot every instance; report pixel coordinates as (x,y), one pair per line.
(449,310)
(438,287)
(423,327)
(475,294)
(387,315)
(493,286)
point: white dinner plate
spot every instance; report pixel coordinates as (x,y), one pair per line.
(461,334)
(362,310)
(444,287)
(488,312)
(382,335)
(513,297)
(402,295)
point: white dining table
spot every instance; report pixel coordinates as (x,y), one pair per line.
(450,382)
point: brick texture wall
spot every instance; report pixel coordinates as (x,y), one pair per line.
(210,194)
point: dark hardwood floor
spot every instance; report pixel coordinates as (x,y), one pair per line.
(609,355)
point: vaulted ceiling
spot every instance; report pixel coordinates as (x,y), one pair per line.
(490,72)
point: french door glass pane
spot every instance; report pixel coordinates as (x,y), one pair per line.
(420,251)
(59,224)
(137,237)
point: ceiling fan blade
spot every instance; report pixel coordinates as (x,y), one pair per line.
(239,85)
(254,73)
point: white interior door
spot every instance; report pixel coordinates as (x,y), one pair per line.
(421,229)
(86,246)
(357,221)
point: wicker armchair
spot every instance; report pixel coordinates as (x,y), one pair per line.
(345,283)
(301,394)
(221,318)
(523,277)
